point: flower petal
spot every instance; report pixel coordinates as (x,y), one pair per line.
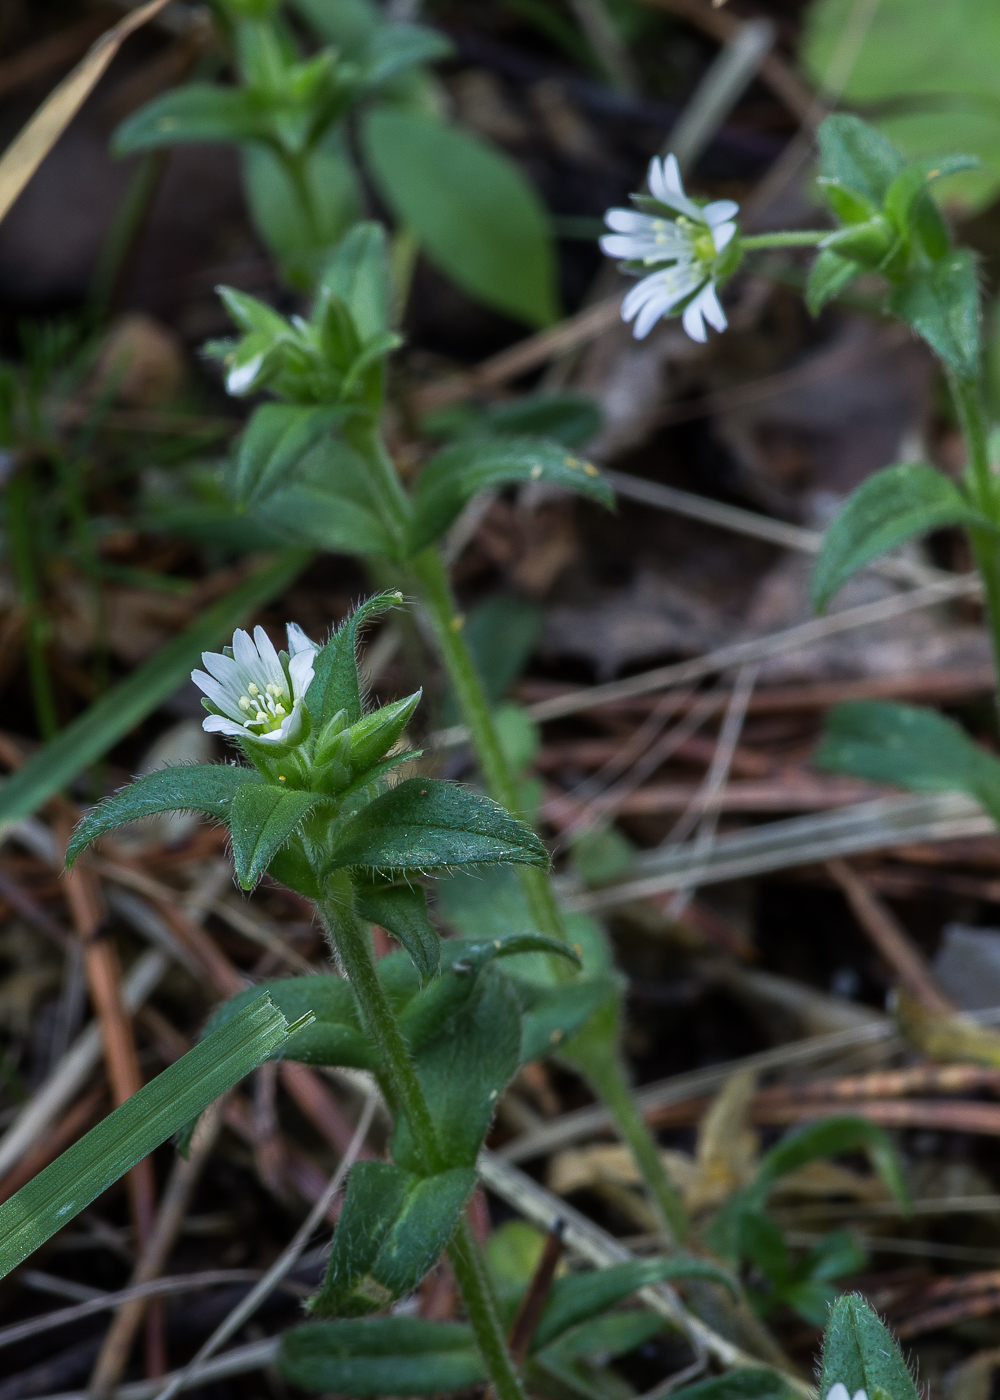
(711,308)
(838,1392)
(664,179)
(240,379)
(704,307)
(722,235)
(219,695)
(270,663)
(300,671)
(627,220)
(297,639)
(617,245)
(218,724)
(719,211)
(225,671)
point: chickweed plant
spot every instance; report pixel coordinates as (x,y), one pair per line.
(889,231)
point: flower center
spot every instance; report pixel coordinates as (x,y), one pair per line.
(704,247)
(265,709)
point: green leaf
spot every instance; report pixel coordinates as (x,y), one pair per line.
(579,1297)
(464,1069)
(335,684)
(930,73)
(916,748)
(127,704)
(424,824)
(835,1255)
(208,788)
(133,1130)
(395,47)
(859,1352)
(829,275)
(855,155)
(262,819)
(301,240)
(402,909)
(451,479)
(323,519)
(551,1014)
(381,1356)
(569,418)
(335,1037)
(195,113)
(392,1228)
(472,210)
(942,306)
(273,444)
(890,507)
(908,186)
(358,275)
(613,1335)
(742,1383)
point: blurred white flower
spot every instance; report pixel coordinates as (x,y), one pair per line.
(840,1392)
(683,243)
(254,692)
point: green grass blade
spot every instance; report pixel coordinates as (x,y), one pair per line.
(98,729)
(138,1126)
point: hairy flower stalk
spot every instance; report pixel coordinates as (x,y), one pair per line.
(690,246)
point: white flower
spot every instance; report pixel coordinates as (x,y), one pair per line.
(683,245)
(840,1392)
(240,380)
(253,691)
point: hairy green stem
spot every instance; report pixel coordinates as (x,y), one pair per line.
(983,489)
(801,238)
(354,948)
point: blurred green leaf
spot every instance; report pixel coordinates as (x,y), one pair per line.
(942,306)
(471,208)
(381,1356)
(273,444)
(195,113)
(916,748)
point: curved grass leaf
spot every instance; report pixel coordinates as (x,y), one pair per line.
(454,476)
(425,824)
(579,1297)
(892,506)
(471,208)
(125,705)
(381,1356)
(208,788)
(830,1138)
(262,819)
(138,1126)
(392,1228)
(914,747)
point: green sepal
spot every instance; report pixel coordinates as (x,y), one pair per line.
(425,824)
(381,1356)
(208,788)
(262,818)
(890,507)
(914,747)
(829,275)
(402,910)
(392,1228)
(869,243)
(335,684)
(941,303)
(904,192)
(273,444)
(454,476)
(858,1351)
(848,204)
(375,734)
(194,113)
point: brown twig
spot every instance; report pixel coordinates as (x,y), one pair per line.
(537,1295)
(890,938)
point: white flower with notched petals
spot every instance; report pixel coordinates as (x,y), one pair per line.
(840,1392)
(683,243)
(255,692)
